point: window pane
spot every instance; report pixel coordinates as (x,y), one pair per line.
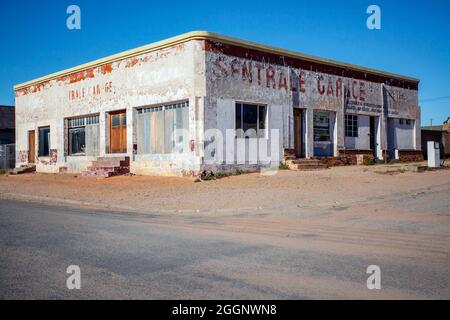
(321,126)
(77,140)
(262,115)
(116,120)
(44,142)
(124,120)
(238,116)
(250,120)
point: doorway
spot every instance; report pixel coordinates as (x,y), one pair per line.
(298,132)
(118,132)
(31,146)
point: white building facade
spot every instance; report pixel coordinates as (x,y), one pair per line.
(205,102)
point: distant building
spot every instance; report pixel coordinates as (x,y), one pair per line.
(439,134)
(7,125)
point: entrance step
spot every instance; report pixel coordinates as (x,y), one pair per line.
(26,168)
(306,164)
(108,167)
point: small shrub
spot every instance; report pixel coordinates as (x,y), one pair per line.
(209,175)
(369,162)
(283,166)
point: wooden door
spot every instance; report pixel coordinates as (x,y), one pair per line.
(298,133)
(118,132)
(31,146)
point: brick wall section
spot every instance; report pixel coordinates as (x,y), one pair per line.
(350,157)
(410,155)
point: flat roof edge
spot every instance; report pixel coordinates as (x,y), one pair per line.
(205,35)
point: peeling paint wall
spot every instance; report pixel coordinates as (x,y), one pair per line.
(212,77)
(170,74)
(282,83)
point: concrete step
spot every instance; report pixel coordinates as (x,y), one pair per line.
(306,161)
(108,167)
(110,163)
(102,159)
(310,167)
(24,169)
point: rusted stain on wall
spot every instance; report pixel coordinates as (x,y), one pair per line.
(52,159)
(104,69)
(23,156)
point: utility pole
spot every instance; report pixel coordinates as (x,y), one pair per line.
(431,122)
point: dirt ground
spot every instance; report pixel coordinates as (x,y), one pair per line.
(334,223)
(284,191)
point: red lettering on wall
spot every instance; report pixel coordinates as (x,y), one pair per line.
(354,95)
(301,82)
(219,63)
(292,81)
(235,67)
(338,87)
(258,68)
(270,77)
(247,72)
(330,89)
(362,91)
(282,82)
(320,88)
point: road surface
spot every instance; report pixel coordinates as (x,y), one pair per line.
(309,254)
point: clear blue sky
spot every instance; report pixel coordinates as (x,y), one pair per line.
(414,39)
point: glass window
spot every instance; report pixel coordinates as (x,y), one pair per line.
(77,141)
(351,125)
(124,120)
(116,120)
(80,130)
(251,118)
(238,116)
(44,142)
(321,126)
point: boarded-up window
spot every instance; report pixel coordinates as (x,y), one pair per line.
(163,129)
(84,133)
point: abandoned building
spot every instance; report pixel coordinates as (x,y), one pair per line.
(168,109)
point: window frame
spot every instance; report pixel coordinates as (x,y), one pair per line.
(40,155)
(351,127)
(163,107)
(79,122)
(258,120)
(317,129)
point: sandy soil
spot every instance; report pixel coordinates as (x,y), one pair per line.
(285,190)
(340,219)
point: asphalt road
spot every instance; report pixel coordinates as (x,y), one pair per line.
(129,256)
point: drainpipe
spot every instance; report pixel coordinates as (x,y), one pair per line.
(383,126)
